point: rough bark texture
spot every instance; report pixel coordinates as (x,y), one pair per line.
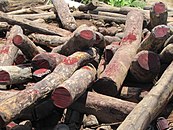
(70,90)
(145,66)
(28,48)
(14,74)
(33,26)
(64,14)
(152,104)
(155,41)
(158,14)
(28,96)
(47,61)
(48,40)
(111,79)
(105,108)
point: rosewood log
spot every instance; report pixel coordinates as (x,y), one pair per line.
(28,48)
(64,14)
(71,89)
(29,95)
(145,66)
(156,39)
(105,108)
(158,14)
(111,79)
(152,104)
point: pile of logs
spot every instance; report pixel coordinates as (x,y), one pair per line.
(113,72)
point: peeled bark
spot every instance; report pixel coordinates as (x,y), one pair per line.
(111,79)
(105,108)
(70,90)
(152,104)
(64,14)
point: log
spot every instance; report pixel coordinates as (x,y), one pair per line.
(155,41)
(4,26)
(28,48)
(70,90)
(64,14)
(166,54)
(152,104)
(48,40)
(111,31)
(46,61)
(34,27)
(110,39)
(111,79)
(41,73)
(100,41)
(158,14)
(145,66)
(105,108)
(20,58)
(14,74)
(29,95)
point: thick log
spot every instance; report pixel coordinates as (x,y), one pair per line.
(166,55)
(29,95)
(152,104)
(111,79)
(154,42)
(110,39)
(15,74)
(105,108)
(33,26)
(158,14)
(70,90)
(48,40)
(64,14)
(145,66)
(28,48)
(46,60)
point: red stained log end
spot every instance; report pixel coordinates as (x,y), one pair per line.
(17,40)
(4,77)
(159,8)
(61,97)
(87,34)
(41,72)
(161,31)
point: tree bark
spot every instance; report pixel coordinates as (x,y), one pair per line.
(111,79)
(152,104)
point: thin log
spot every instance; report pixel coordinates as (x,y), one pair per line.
(145,66)
(34,27)
(28,48)
(152,104)
(155,41)
(14,74)
(70,90)
(29,95)
(158,14)
(111,79)
(105,108)
(64,14)
(48,40)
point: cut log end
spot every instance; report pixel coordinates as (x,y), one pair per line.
(87,34)
(41,63)
(41,72)
(159,8)
(61,97)
(17,40)
(4,77)
(161,31)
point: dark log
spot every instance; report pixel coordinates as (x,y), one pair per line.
(4,26)
(158,14)
(34,27)
(154,42)
(152,104)
(145,66)
(28,48)
(110,39)
(70,90)
(47,61)
(100,41)
(64,14)
(48,40)
(29,95)
(105,108)
(83,37)
(166,55)
(111,79)
(14,74)
(111,31)
(20,58)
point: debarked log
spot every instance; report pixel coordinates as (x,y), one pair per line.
(71,89)
(105,108)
